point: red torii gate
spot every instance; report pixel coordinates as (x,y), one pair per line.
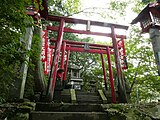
(66,45)
(62,45)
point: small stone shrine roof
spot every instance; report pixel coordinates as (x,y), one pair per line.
(75,67)
(145,11)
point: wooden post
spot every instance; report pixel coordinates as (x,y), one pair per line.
(54,67)
(121,84)
(40,82)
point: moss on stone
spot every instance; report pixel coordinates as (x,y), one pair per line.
(133,112)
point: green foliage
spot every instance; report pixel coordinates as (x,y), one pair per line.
(118,7)
(147,1)
(12,22)
(139,5)
(64,7)
(35,49)
(34,54)
(142,72)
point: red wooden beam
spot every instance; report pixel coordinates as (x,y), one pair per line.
(111,76)
(96,51)
(69,30)
(81,21)
(51,56)
(66,65)
(122,91)
(44,10)
(82,43)
(104,71)
(63,49)
(54,67)
(76,49)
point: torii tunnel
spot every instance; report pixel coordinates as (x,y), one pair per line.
(53,54)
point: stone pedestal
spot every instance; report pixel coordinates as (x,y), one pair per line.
(155,39)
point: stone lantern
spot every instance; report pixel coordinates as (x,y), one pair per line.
(74,78)
(149,19)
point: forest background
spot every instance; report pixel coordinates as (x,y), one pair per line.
(141,75)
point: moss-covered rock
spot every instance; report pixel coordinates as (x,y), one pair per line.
(150,111)
(16,111)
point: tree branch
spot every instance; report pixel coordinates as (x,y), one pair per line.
(135,77)
(90,8)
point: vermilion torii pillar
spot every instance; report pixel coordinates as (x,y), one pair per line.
(54,66)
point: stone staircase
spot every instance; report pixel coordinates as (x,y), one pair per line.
(88,97)
(71,105)
(68,111)
(81,97)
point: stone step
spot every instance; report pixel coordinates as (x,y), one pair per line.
(62,96)
(86,93)
(88,97)
(65,92)
(89,101)
(59,107)
(36,115)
